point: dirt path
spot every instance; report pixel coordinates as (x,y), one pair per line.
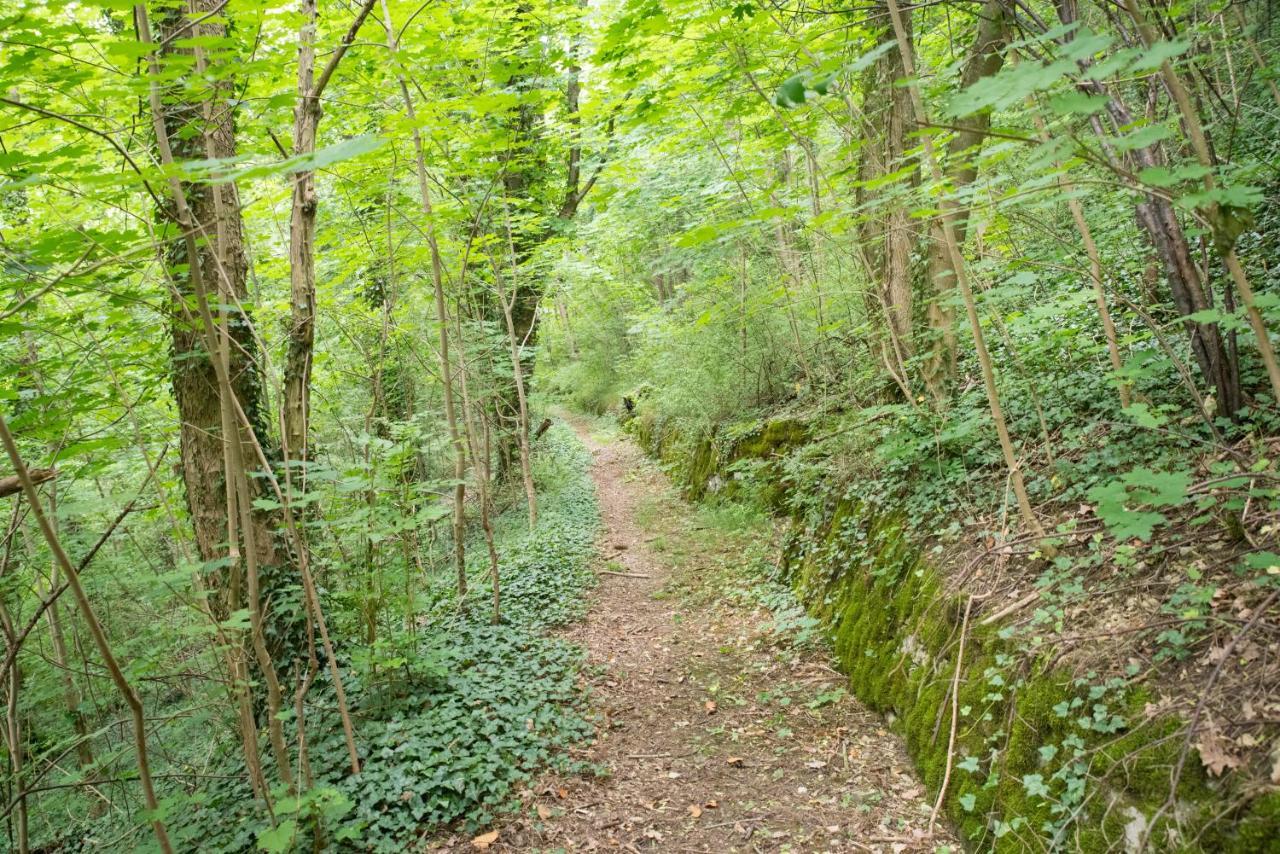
(717,733)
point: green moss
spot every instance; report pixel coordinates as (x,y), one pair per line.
(895,632)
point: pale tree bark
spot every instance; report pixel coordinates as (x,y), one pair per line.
(985,58)
(296,416)
(442,322)
(962,283)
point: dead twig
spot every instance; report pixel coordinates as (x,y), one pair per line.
(955,714)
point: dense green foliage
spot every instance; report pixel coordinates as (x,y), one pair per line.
(280,285)
(457,714)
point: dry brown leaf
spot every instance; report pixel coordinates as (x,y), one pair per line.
(710,706)
(735,761)
(1215,751)
(695,810)
(543,812)
(484,840)
(711,805)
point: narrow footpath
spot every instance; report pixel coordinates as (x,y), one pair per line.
(720,730)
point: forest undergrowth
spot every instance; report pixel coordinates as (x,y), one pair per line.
(454,713)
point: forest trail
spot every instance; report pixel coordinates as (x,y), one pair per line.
(718,733)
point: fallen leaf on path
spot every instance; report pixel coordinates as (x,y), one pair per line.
(543,812)
(712,805)
(735,761)
(484,840)
(695,811)
(1215,753)
(711,707)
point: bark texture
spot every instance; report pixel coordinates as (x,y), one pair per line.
(201,124)
(888,238)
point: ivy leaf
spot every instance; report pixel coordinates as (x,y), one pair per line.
(1034,785)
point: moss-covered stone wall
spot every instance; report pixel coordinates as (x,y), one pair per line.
(706,464)
(1044,759)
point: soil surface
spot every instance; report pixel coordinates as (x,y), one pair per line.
(718,731)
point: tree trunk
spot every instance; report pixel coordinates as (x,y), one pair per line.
(1158,219)
(456,438)
(1224,243)
(296,407)
(888,238)
(986,57)
(962,283)
(215,211)
(522,413)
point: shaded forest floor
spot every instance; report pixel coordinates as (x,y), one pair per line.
(722,726)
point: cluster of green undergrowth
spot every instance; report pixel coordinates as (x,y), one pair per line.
(453,716)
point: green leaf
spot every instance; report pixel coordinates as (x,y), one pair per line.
(791,93)
(1034,785)
(1144,416)
(1143,137)
(1160,176)
(278,839)
(1076,103)
(1120,502)
(1159,53)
